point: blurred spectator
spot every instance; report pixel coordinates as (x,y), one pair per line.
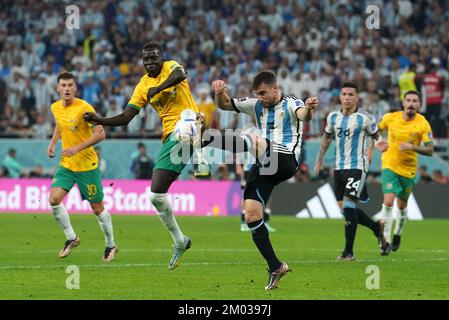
(445,111)
(433,85)
(407,80)
(12,166)
(438,177)
(142,165)
(41,129)
(205,104)
(302,175)
(38,172)
(222,173)
(424,176)
(376,106)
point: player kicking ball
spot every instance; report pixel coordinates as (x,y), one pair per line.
(79,164)
(165,87)
(277,150)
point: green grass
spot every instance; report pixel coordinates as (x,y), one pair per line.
(223,262)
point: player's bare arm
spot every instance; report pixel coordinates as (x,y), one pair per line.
(97,136)
(426,150)
(324,145)
(119,120)
(222,100)
(53,141)
(177,76)
(305,114)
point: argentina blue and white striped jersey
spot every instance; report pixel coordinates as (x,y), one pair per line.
(350,138)
(278,123)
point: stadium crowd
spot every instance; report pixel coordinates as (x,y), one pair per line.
(312,45)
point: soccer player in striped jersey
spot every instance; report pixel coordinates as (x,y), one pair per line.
(407,130)
(351,128)
(79,164)
(276,150)
(165,87)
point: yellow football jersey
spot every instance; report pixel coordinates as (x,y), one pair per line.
(74,130)
(208,108)
(417,131)
(170,102)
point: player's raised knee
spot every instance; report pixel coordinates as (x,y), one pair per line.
(54,201)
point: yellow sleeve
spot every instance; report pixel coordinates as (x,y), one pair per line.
(172,65)
(427,136)
(383,123)
(89,108)
(139,97)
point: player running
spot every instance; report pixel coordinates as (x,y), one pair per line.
(277,150)
(164,87)
(79,164)
(407,130)
(351,128)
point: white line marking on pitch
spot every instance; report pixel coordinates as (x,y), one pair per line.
(28,251)
(133,265)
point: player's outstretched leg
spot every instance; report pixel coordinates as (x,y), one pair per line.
(378,229)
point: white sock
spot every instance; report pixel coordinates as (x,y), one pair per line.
(401,217)
(105,221)
(62,217)
(387,216)
(164,211)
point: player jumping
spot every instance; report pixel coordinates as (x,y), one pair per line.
(164,87)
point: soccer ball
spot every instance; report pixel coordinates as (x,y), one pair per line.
(186,130)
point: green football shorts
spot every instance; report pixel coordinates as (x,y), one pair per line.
(89,183)
(173,156)
(397,184)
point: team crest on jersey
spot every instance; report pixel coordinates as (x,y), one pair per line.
(430,136)
(282,114)
(414,136)
(73,125)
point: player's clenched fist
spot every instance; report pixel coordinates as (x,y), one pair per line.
(218,86)
(312,103)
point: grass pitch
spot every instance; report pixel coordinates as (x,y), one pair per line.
(223,262)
